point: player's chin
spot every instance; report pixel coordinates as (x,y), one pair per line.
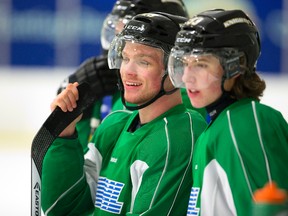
(131,98)
(197,101)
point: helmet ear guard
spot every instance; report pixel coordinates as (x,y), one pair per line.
(234,65)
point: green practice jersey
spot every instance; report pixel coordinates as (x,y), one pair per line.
(141,172)
(85,129)
(244,148)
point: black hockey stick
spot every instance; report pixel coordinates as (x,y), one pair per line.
(52,127)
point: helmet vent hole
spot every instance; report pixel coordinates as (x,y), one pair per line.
(144,20)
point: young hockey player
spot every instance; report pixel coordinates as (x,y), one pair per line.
(138,163)
(246,143)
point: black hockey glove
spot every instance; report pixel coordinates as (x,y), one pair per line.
(95,71)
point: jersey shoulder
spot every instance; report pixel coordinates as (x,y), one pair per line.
(110,129)
(252,107)
(114,121)
(117,116)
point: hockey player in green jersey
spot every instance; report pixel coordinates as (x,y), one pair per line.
(138,163)
(95,70)
(246,143)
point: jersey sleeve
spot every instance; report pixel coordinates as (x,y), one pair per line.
(64,187)
(69,177)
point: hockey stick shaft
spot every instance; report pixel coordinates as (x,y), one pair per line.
(52,127)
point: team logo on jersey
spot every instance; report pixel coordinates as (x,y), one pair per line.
(192,210)
(107,195)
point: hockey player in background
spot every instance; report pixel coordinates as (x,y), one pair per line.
(246,143)
(138,163)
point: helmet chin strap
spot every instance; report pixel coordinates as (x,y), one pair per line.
(137,107)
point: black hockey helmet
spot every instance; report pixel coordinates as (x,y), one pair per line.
(225,32)
(155,29)
(134,7)
(124,10)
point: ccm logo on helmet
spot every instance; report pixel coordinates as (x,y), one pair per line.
(183,40)
(137,28)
